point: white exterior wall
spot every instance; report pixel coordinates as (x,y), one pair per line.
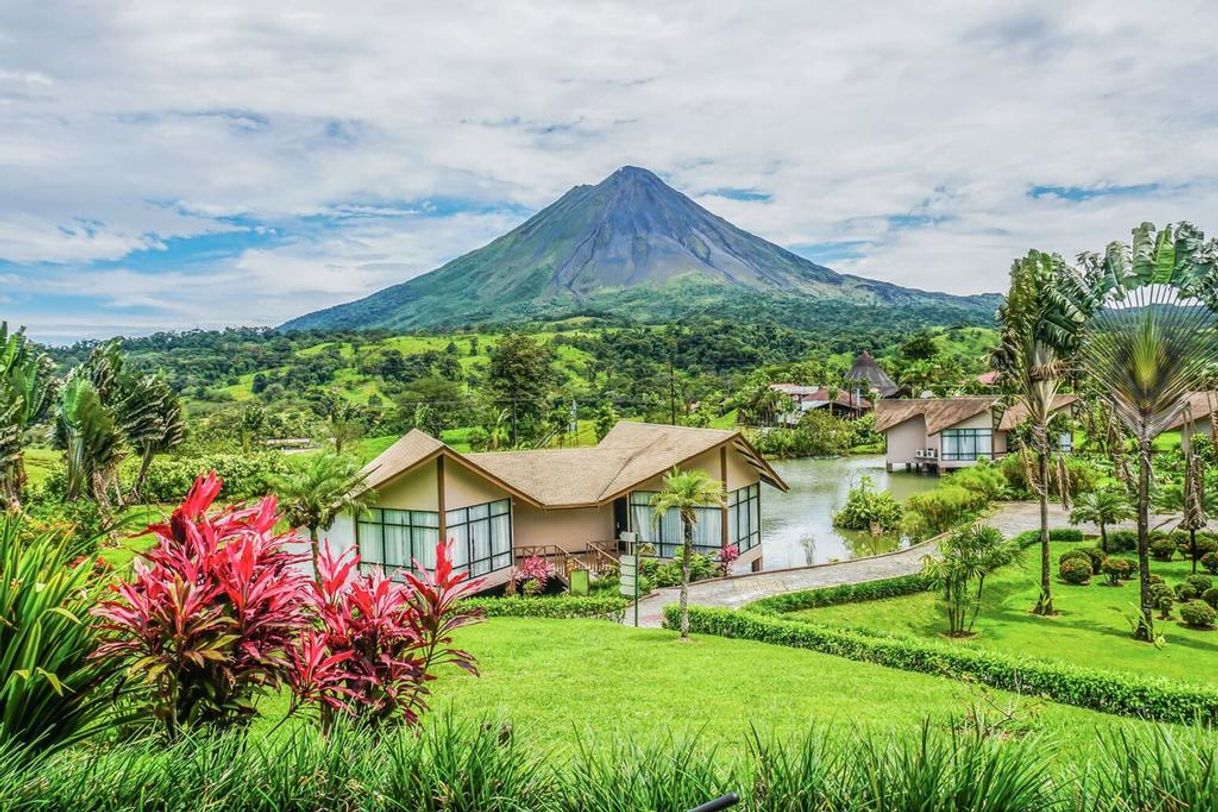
(904,439)
(985,420)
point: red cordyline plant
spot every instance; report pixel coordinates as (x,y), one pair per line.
(379,638)
(211,610)
(220,610)
(727,556)
(534,568)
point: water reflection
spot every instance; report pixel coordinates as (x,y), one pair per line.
(797,527)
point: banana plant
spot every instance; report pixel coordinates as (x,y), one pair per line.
(27,392)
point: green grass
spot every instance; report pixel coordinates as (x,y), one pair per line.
(39,462)
(554,679)
(1091,628)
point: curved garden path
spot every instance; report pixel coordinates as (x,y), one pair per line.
(735,591)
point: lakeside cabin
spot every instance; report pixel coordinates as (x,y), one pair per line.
(942,434)
(569,506)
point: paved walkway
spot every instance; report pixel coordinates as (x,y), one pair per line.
(734,592)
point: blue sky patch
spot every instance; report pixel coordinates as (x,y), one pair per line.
(1091,192)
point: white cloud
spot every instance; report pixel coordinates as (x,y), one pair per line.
(125,125)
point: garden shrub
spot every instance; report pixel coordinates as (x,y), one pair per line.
(1118,570)
(1199,583)
(845,593)
(1197,614)
(1065,534)
(1076,570)
(983,478)
(1122,541)
(1163,598)
(1162,549)
(1075,553)
(557,607)
(1185,592)
(1210,562)
(866,508)
(1210,596)
(1097,557)
(943,508)
(245,476)
(1150,698)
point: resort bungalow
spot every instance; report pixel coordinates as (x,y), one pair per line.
(1198,416)
(570,506)
(803,399)
(941,434)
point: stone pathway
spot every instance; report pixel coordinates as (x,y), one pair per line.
(734,592)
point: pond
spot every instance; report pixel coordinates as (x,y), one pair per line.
(797,526)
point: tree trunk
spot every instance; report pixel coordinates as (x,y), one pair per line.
(315,552)
(1044,605)
(1192,548)
(1146,629)
(683,602)
(145,463)
(1103,538)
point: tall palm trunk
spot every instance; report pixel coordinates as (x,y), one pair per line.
(1044,604)
(687,549)
(1146,628)
(1103,536)
(315,553)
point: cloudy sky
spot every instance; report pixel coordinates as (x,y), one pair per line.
(166,165)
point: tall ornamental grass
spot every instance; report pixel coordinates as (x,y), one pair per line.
(470,766)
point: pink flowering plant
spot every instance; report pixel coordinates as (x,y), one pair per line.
(221,610)
(727,556)
(534,568)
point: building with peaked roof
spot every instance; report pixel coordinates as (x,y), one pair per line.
(1198,415)
(842,403)
(868,377)
(569,506)
(941,434)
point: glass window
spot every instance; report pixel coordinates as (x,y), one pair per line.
(744,517)
(966,444)
(482,535)
(667,536)
(394,539)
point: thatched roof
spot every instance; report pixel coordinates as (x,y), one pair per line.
(1201,405)
(939,413)
(1016,413)
(868,372)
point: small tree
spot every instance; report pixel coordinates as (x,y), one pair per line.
(1102,508)
(685,492)
(965,558)
(314,494)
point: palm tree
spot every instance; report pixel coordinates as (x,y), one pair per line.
(1150,346)
(27,391)
(686,491)
(1041,322)
(1107,506)
(152,420)
(314,494)
(86,429)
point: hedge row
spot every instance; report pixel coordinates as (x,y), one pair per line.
(1109,692)
(561,607)
(845,593)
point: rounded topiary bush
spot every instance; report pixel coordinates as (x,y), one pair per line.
(1097,557)
(1162,549)
(1185,592)
(1075,570)
(1206,543)
(1210,596)
(1198,614)
(1117,570)
(1210,562)
(1163,598)
(1199,583)
(1122,541)
(1075,553)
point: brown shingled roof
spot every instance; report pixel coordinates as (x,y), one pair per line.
(413,448)
(1200,406)
(939,413)
(629,454)
(1016,413)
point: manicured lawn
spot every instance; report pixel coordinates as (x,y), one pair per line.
(554,679)
(39,462)
(1091,629)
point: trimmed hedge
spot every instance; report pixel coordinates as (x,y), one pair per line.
(560,607)
(846,593)
(1109,692)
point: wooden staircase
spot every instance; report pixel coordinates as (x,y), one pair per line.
(594,558)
